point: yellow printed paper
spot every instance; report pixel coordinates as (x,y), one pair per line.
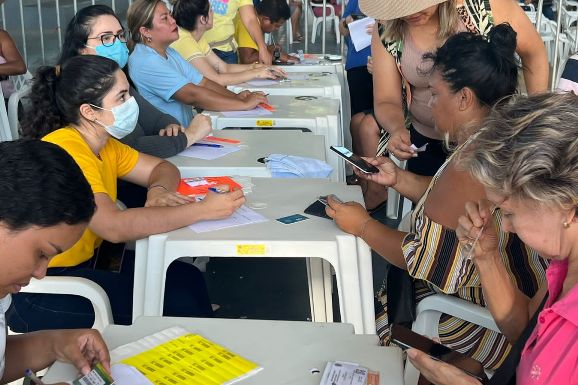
(191,359)
(251,249)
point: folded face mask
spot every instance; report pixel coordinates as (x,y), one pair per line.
(290,166)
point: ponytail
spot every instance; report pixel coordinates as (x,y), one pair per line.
(58,92)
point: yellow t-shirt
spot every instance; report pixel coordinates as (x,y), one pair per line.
(244,39)
(189,48)
(222,35)
(116,160)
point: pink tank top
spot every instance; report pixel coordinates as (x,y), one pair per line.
(413,68)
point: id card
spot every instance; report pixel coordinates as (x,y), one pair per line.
(97,376)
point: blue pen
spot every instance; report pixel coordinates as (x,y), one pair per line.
(216,190)
(207,145)
(30,374)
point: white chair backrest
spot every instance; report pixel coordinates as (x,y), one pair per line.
(22,83)
(5,132)
(76,286)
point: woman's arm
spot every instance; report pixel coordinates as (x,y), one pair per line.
(352,218)
(213,98)
(162,179)
(224,78)
(510,308)
(38,350)
(14,63)
(249,19)
(530,46)
(387,98)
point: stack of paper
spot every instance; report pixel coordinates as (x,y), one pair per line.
(184,359)
(348,373)
(243,216)
(257,111)
(206,152)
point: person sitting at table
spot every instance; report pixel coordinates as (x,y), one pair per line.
(84,106)
(469,75)
(221,37)
(54,204)
(167,80)
(11,64)
(96,30)
(526,157)
(194,18)
(272,14)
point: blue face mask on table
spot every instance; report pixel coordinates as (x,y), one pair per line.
(125,118)
(117,52)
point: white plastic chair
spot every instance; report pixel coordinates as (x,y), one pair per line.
(77,286)
(317,20)
(22,86)
(429,311)
(5,131)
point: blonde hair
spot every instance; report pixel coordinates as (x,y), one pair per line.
(528,149)
(394,29)
(140,14)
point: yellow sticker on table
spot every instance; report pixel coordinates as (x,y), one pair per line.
(251,249)
(265,123)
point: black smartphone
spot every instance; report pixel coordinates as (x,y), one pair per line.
(355,160)
(357,16)
(407,339)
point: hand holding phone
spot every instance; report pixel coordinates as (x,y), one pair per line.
(355,160)
(407,339)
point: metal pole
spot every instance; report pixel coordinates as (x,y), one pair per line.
(23,33)
(556,48)
(3,17)
(38,7)
(539,15)
(58,26)
(306,21)
(323,33)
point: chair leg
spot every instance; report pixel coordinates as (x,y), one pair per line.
(314,30)
(336,26)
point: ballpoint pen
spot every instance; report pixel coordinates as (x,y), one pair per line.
(30,374)
(208,145)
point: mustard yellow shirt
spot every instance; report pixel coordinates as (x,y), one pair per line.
(222,35)
(189,48)
(116,160)
(244,39)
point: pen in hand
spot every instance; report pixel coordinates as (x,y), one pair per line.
(30,374)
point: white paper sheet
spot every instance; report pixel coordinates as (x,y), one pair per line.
(243,216)
(358,32)
(209,153)
(128,375)
(257,111)
(262,82)
(297,76)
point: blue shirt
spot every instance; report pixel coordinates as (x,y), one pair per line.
(354,58)
(158,78)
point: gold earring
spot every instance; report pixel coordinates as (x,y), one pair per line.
(149,39)
(566,225)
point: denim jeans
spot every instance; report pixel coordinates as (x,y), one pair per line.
(229,57)
(185,296)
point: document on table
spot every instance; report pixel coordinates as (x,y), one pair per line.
(209,152)
(262,82)
(243,216)
(297,76)
(257,111)
(358,32)
(128,375)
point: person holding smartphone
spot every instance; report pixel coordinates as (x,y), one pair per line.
(525,157)
(470,74)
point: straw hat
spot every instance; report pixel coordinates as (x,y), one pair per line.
(394,9)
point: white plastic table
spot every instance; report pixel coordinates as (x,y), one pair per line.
(316,238)
(286,350)
(254,144)
(316,114)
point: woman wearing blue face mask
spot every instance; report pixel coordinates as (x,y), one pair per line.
(96,30)
(84,106)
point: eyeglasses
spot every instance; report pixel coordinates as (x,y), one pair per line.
(108,39)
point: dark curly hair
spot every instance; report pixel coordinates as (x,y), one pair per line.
(41,185)
(186,12)
(58,92)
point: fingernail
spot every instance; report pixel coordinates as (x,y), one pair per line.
(411,353)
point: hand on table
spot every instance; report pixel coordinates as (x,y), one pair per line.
(350,217)
(254,99)
(159,197)
(439,373)
(83,348)
(223,204)
(171,130)
(199,127)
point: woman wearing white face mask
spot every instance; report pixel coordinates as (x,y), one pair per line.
(96,30)
(81,106)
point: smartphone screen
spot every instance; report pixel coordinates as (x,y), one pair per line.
(355,160)
(406,339)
